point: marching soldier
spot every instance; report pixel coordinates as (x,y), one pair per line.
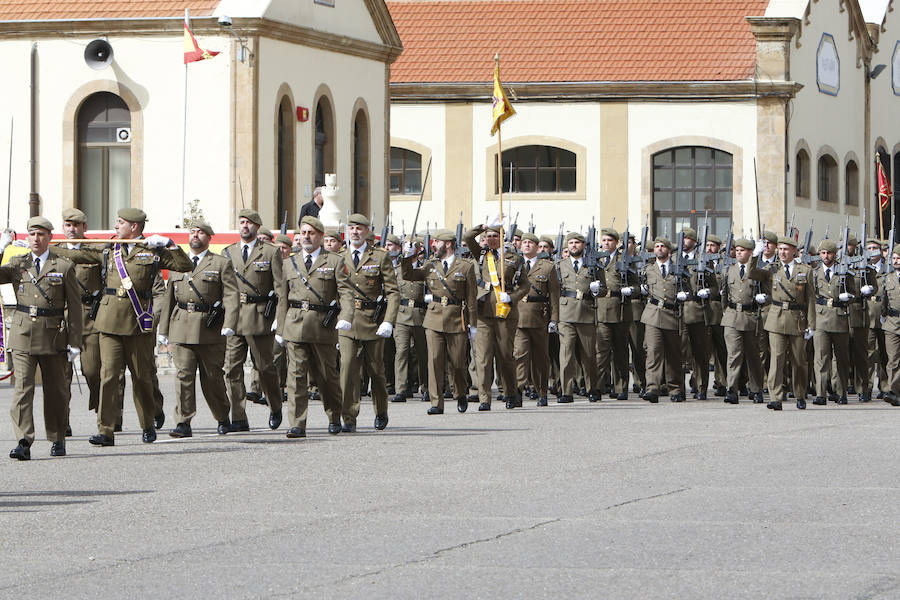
(538,318)
(450,319)
(318,302)
(125,318)
(199,313)
(614,317)
(408,331)
(716,332)
(45,331)
(890,305)
(375,303)
(791,318)
(546,247)
(695,317)
(258,268)
(877,353)
(865,282)
(636,329)
(662,324)
(497,312)
(768,261)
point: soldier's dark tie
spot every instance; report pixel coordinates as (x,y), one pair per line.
(663,267)
(527,267)
(37,266)
(828,275)
(742,272)
(575,266)
(196,260)
(245,252)
(356,258)
(308,262)
(446,267)
(787,271)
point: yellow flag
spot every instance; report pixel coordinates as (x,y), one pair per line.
(501,109)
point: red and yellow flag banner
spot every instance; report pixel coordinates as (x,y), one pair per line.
(192,50)
(884,186)
(501,109)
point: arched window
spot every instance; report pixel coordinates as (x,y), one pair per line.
(801,183)
(687,182)
(538,169)
(324,141)
(104,158)
(828,179)
(406,171)
(361,163)
(284,170)
(851,183)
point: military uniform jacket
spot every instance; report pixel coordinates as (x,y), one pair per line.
(184,311)
(576,302)
(662,309)
(859,314)
(741,311)
(412,300)
(540,305)
(890,303)
(875,301)
(793,306)
(328,277)
(89,281)
(613,308)
(116,315)
(771,266)
(34,333)
(512,274)
(454,306)
(694,310)
(374,277)
(263,270)
(832,315)
(716,308)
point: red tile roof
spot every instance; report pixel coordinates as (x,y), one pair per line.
(34,10)
(575,40)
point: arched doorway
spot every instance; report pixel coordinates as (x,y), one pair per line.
(687,182)
(285,189)
(323,153)
(361,177)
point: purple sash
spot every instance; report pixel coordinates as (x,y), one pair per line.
(2,339)
(144,317)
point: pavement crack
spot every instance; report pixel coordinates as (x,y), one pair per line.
(642,498)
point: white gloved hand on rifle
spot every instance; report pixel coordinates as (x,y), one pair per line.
(157,241)
(760,298)
(504,298)
(385,330)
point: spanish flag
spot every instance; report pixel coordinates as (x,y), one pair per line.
(884,186)
(192,50)
(501,109)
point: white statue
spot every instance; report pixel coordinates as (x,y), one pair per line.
(330,214)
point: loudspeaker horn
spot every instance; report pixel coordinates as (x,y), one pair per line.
(98,54)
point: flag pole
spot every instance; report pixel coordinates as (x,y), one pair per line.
(187,21)
(878,203)
(500,187)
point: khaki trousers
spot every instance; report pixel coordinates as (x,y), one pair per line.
(694,337)
(636,344)
(56,414)
(892,347)
(824,343)
(318,361)
(116,353)
(577,341)
(664,360)
(209,359)
(405,338)
(90,370)
(280,369)
(532,355)
(495,339)
(719,355)
(261,352)
(742,348)
(612,351)
(354,354)
(877,358)
(784,348)
(447,354)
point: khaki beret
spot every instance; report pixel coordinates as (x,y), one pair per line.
(690,233)
(574,235)
(714,239)
(495,229)
(827,246)
(133,215)
(419,240)
(371,236)
(444,235)
(282,238)
(393,239)
(610,232)
(518,233)
(897,250)
(202,226)
(872,240)
(313,222)
(852,241)
(266,232)
(743,243)
(250,215)
(331,232)
(548,240)
(530,237)
(770,236)
(74,215)
(358,219)
(41,222)
(664,241)
(786,239)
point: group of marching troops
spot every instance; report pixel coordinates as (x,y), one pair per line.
(336,315)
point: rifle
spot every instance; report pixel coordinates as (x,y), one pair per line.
(842,265)
(459,235)
(623,265)
(421,196)
(284,224)
(384,233)
(531,224)
(590,256)
(809,258)
(559,241)
(511,234)
(702,268)
(679,269)
(427,241)
(887,265)
(790,229)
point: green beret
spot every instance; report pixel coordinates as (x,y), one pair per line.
(548,240)
(574,235)
(358,219)
(133,215)
(827,246)
(282,238)
(250,215)
(313,222)
(74,215)
(444,235)
(41,222)
(661,240)
(770,236)
(872,240)
(852,241)
(743,243)
(202,226)
(530,237)
(495,229)
(786,239)
(714,239)
(393,239)
(610,232)
(897,250)
(331,232)
(690,234)
(266,232)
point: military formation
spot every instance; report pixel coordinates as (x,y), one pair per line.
(335,315)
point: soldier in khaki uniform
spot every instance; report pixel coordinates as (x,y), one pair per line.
(716,333)
(538,317)
(636,329)
(696,317)
(318,302)
(767,260)
(614,317)
(258,268)
(875,347)
(409,335)
(546,246)
(577,320)
(496,334)
(45,326)
(742,298)
(200,311)
(376,300)
(125,317)
(890,306)
(662,321)
(791,318)
(864,281)
(450,319)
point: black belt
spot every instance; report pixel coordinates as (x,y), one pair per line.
(413,303)
(193,306)
(574,294)
(483,284)
(741,307)
(788,305)
(445,300)
(250,299)
(831,302)
(537,299)
(87,299)
(364,304)
(115,292)
(663,303)
(893,312)
(305,305)
(36,311)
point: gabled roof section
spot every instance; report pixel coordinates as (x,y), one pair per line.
(40,10)
(454,41)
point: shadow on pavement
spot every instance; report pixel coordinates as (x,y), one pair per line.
(77,497)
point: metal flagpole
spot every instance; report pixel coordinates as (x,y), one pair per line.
(500,190)
(187,21)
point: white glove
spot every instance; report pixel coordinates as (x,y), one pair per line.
(157,241)
(760,245)
(595,287)
(645,289)
(343,325)
(428,298)
(844,297)
(227,331)
(704,293)
(552,327)
(627,291)
(867,290)
(760,298)
(274,325)
(494,222)
(385,330)
(681,296)
(808,334)
(504,298)
(279,339)
(162,339)
(72,353)
(472,331)
(20,244)
(5,239)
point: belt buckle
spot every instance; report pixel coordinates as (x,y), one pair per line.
(740,307)
(191,307)
(830,303)
(304,305)
(444,300)
(579,294)
(32,311)
(243,297)
(357,303)
(120,292)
